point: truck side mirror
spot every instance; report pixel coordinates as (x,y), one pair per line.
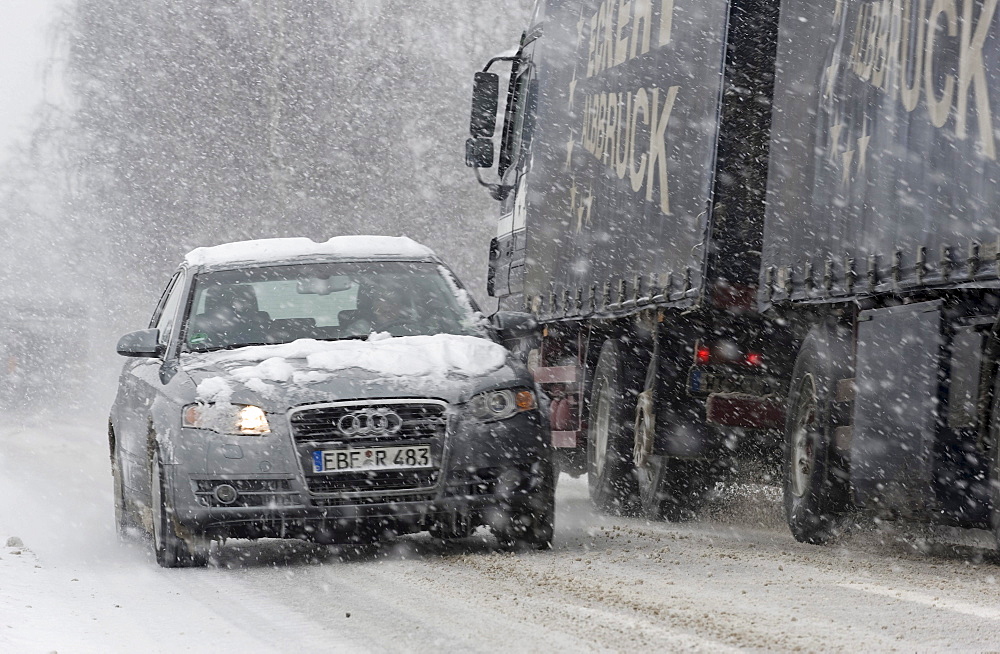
(479,153)
(485,97)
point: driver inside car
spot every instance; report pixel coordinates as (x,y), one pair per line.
(390,309)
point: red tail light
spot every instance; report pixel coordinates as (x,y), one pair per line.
(702,355)
(754,359)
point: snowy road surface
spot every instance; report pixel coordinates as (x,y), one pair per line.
(732,581)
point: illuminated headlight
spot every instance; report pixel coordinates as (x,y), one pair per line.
(227,418)
(502,404)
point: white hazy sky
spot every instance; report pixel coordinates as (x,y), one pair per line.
(23,48)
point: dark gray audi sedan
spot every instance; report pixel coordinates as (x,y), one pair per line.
(339,392)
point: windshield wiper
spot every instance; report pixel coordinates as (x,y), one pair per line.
(231,346)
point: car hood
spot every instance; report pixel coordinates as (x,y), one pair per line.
(275,377)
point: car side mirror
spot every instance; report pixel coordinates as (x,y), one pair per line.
(485,101)
(514,324)
(479,153)
(143,343)
(518,331)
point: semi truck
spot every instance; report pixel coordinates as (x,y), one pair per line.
(749,220)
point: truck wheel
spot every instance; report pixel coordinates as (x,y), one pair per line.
(816,492)
(672,489)
(610,476)
(171,550)
(994,476)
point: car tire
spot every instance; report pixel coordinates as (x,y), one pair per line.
(125,523)
(610,472)
(172,551)
(456,530)
(673,489)
(816,490)
(534,528)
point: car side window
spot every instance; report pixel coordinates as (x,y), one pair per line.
(166,312)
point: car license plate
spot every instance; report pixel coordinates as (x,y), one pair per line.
(372,458)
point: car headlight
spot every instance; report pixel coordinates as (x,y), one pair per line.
(244,419)
(502,404)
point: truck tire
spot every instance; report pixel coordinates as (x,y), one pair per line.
(673,489)
(816,490)
(994,474)
(610,471)
(171,550)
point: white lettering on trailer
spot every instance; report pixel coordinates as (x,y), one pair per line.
(939,108)
(611,123)
(972,69)
(621,30)
(883,55)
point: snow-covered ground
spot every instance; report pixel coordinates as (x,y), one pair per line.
(733,580)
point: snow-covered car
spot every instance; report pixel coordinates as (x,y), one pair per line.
(338,392)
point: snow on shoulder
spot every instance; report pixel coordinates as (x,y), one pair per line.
(283,249)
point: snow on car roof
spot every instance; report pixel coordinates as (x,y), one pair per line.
(282,249)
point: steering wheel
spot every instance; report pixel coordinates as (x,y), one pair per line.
(395,324)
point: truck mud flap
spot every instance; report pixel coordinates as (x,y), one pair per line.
(896,407)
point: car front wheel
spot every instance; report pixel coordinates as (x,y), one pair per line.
(125,524)
(532,529)
(172,551)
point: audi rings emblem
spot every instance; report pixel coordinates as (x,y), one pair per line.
(369,422)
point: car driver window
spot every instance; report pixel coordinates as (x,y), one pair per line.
(168,311)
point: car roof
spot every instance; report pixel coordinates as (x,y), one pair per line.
(290,250)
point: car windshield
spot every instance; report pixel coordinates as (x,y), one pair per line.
(326,301)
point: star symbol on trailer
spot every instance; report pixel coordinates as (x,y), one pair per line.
(835,140)
(846,158)
(831,79)
(863,141)
(569,149)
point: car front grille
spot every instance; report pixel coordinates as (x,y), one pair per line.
(420,421)
(317,427)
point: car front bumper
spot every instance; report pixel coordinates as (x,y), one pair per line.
(502,466)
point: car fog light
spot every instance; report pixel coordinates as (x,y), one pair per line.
(226,494)
(508,483)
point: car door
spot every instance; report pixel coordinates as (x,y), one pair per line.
(140,383)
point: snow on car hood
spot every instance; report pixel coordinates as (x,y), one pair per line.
(444,365)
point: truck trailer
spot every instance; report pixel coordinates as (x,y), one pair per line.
(631,176)
(759,218)
(882,243)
